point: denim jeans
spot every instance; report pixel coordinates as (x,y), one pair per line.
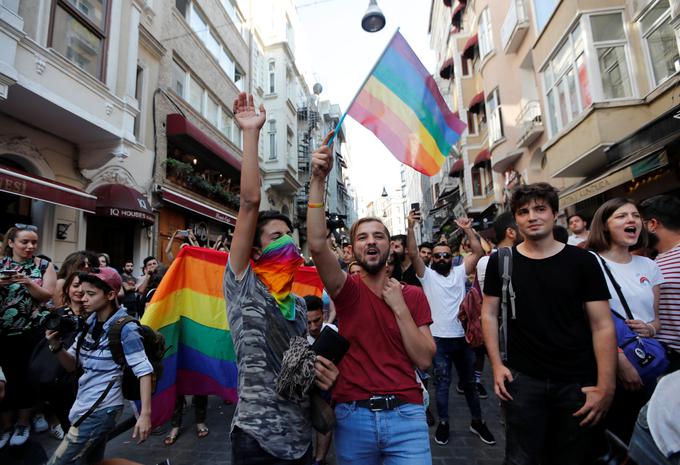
(85,444)
(456,350)
(643,449)
(390,437)
(245,450)
(540,426)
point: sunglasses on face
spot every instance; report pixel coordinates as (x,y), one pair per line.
(26,227)
(441,255)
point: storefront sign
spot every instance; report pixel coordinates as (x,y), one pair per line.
(123,213)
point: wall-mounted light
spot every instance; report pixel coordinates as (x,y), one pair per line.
(62,230)
(374,19)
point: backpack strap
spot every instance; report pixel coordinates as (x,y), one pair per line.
(507,295)
(115,342)
(629,314)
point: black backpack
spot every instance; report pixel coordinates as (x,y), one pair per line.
(154,347)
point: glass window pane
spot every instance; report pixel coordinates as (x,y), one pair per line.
(211,111)
(179,79)
(542,11)
(225,123)
(195,94)
(562,99)
(562,60)
(583,82)
(214,45)
(94,10)
(552,113)
(76,42)
(227,63)
(614,72)
(577,39)
(663,51)
(573,98)
(198,24)
(653,15)
(607,27)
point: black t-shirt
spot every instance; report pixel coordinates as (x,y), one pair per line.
(551,338)
(409,276)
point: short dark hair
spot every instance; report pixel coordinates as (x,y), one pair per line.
(425,245)
(313,303)
(576,214)
(599,238)
(128,261)
(148,259)
(560,234)
(663,208)
(400,238)
(523,194)
(265,217)
(501,224)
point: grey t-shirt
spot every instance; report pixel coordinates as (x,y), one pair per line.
(261,335)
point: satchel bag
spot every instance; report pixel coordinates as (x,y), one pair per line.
(646,354)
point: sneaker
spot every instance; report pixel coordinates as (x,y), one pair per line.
(20,435)
(459,388)
(4,438)
(441,436)
(479,428)
(430,417)
(40,424)
(57,432)
(481,391)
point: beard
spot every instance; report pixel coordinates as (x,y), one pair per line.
(442,268)
(373,268)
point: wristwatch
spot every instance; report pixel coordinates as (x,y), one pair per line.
(54,350)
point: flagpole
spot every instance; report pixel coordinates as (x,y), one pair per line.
(370,73)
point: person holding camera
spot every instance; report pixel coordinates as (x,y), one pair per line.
(26,283)
(148,270)
(99,401)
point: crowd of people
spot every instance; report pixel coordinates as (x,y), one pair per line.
(582,333)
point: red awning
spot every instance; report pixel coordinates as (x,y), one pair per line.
(457,13)
(190,138)
(457,167)
(446,71)
(120,201)
(196,206)
(38,188)
(476,103)
(470,45)
(447,3)
(482,156)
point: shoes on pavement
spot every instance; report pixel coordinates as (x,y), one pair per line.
(20,435)
(4,438)
(441,436)
(40,424)
(479,428)
(57,432)
(481,391)
(430,417)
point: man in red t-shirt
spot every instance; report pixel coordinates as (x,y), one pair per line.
(379,403)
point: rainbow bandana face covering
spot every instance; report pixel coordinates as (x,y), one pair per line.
(276,268)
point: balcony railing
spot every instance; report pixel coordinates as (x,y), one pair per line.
(530,123)
(515,26)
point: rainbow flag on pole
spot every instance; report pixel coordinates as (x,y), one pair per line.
(189,309)
(401,104)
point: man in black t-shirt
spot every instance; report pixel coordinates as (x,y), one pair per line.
(559,376)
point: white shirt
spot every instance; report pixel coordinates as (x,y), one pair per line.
(636,279)
(574,240)
(312,340)
(481,269)
(662,414)
(445,294)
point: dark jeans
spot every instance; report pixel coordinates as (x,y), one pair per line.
(200,406)
(456,350)
(539,424)
(15,356)
(624,411)
(245,450)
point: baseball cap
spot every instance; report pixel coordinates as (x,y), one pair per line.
(109,276)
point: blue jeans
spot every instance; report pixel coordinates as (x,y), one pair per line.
(86,444)
(540,426)
(643,449)
(389,437)
(458,351)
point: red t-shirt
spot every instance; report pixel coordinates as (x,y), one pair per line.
(377,362)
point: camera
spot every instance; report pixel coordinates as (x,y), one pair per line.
(64,323)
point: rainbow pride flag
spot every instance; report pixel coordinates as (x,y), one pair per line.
(401,104)
(189,309)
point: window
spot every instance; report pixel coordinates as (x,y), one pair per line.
(465,65)
(272,140)
(272,76)
(233,13)
(179,80)
(543,9)
(290,138)
(659,39)
(195,94)
(79,33)
(290,35)
(198,24)
(472,123)
(226,123)
(212,109)
(484,34)
(493,111)
(477,182)
(139,83)
(609,40)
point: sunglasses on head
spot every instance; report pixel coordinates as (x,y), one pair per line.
(26,227)
(441,255)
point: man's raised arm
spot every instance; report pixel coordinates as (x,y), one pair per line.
(325,260)
(412,247)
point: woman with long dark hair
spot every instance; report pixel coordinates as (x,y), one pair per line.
(26,283)
(616,231)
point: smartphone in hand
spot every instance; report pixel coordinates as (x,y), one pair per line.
(415,207)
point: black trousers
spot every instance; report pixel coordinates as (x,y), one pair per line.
(245,450)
